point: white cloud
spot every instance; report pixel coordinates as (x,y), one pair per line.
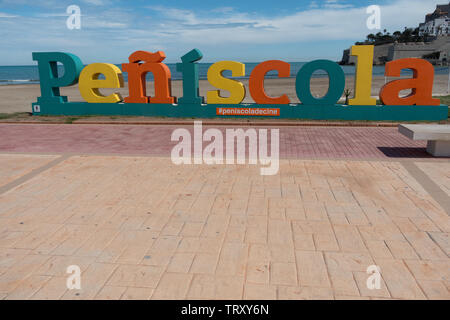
(117,32)
(335,4)
(223,10)
(313,5)
(96,2)
(107,24)
(335,20)
(34,3)
(6,15)
(175,14)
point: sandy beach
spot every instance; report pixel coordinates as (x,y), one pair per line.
(18,98)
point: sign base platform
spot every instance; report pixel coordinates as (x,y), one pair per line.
(290,111)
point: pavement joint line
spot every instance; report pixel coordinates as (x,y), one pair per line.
(33,173)
(439,195)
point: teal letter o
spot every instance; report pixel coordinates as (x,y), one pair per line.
(336,78)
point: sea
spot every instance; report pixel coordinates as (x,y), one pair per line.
(30,75)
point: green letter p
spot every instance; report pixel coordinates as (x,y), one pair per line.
(48,74)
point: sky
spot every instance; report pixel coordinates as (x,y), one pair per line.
(239,30)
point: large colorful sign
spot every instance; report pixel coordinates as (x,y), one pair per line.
(419,105)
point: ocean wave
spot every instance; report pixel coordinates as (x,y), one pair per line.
(17,81)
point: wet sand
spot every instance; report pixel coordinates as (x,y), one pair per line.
(18,98)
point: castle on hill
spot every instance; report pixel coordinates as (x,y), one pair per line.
(436,23)
(434,45)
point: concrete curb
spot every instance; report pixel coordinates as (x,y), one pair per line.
(216,123)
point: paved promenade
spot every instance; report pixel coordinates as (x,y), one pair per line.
(295,142)
(109,200)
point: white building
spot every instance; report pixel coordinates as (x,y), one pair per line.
(436,23)
(435,27)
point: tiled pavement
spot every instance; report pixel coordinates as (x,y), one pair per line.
(140,227)
(13,167)
(295,142)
